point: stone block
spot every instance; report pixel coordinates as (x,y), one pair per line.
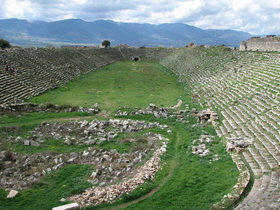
(67,206)
(12,194)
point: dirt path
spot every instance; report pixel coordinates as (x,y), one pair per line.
(173,165)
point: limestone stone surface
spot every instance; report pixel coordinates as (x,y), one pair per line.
(12,194)
(67,206)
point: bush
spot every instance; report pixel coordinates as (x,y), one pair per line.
(4,44)
(106,43)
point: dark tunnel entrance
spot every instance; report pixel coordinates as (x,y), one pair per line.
(136,59)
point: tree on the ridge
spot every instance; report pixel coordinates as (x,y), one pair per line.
(106,43)
(191,44)
(4,44)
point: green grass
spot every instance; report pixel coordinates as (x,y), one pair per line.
(47,193)
(24,119)
(131,84)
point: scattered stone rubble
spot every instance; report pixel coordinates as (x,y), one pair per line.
(30,107)
(151,109)
(181,115)
(98,195)
(201,149)
(21,171)
(83,132)
(168,112)
(238,144)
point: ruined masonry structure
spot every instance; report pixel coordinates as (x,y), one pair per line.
(269,43)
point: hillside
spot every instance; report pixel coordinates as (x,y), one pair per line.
(79,32)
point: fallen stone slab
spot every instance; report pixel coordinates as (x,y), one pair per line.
(12,194)
(180,102)
(67,206)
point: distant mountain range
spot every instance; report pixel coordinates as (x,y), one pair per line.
(79,32)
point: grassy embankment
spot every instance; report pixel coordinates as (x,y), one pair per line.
(192,182)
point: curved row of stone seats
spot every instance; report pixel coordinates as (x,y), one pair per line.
(245,98)
(246,92)
(28,72)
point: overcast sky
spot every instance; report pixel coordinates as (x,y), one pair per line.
(254,16)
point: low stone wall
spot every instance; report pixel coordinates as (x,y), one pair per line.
(19,171)
(98,195)
(30,107)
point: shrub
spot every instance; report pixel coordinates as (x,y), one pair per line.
(4,44)
(106,43)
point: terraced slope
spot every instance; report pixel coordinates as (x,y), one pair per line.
(245,90)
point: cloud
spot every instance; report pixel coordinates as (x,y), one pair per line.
(254,16)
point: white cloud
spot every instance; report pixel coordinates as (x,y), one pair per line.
(186,9)
(80,1)
(18,9)
(255,16)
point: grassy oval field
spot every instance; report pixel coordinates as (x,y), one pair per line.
(130,84)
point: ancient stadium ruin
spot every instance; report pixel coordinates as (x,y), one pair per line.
(237,92)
